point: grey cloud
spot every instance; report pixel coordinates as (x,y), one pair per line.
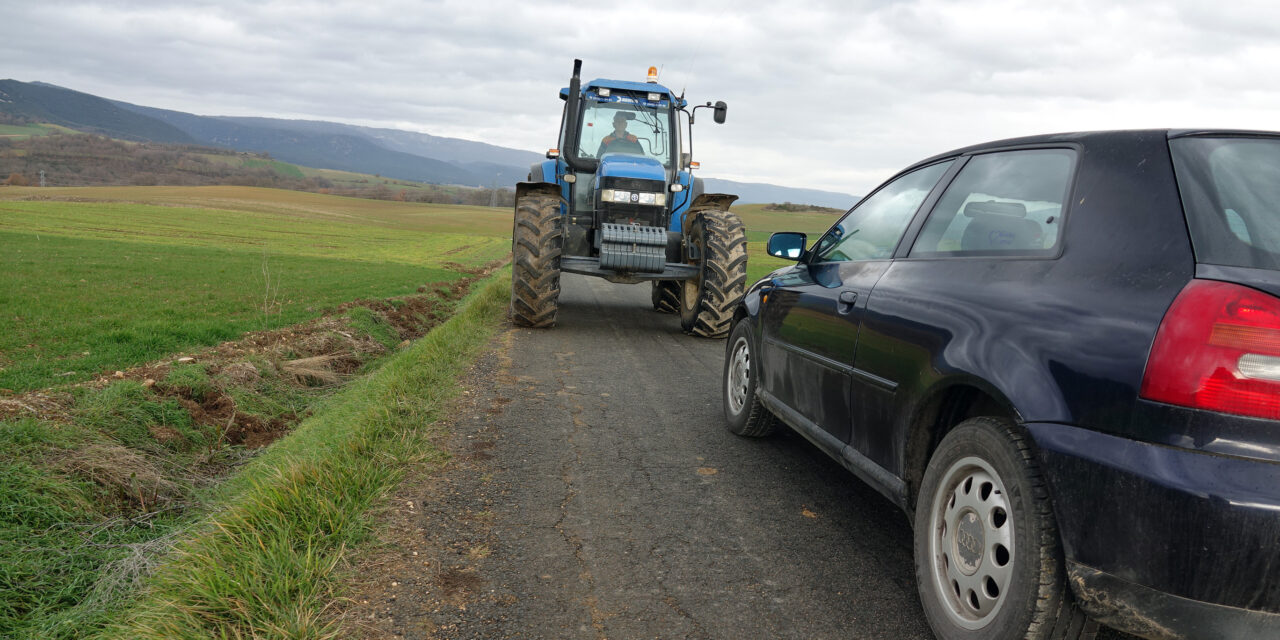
(822,94)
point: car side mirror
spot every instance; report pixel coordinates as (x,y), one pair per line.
(787,245)
(721,109)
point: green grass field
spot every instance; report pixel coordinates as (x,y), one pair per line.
(761,224)
(21,131)
(96,486)
(89,287)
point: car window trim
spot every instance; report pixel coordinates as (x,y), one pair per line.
(1068,205)
(925,205)
(917,222)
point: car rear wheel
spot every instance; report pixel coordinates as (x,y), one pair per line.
(988,561)
(744,413)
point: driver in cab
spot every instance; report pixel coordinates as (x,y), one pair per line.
(620,140)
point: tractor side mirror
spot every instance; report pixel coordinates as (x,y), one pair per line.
(721,108)
(685,158)
(787,245)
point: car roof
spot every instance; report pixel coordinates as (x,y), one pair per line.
(1104,138)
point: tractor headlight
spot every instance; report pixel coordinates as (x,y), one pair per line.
(656,199)
(633,197)
(615,195)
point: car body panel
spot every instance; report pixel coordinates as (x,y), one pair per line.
(1192,511)
(1145,493)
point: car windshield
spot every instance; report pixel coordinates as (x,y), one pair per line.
(623,123)
(1231,193)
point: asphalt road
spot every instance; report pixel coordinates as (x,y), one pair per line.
(597,495)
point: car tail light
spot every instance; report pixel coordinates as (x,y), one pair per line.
(1218,348)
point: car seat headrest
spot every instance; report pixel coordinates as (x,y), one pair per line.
(1014,209)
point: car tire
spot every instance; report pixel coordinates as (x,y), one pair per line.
(989,563)
(666,296)
(537,241)
(707,302)
(744,414)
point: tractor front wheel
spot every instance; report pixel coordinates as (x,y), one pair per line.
(666,296)
(537,241)
(718,243)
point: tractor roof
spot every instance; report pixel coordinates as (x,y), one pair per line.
(626,85)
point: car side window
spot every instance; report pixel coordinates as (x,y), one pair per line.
(1003,203)
(873,228)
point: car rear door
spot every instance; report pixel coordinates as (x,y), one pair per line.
(968,296)
(811,318)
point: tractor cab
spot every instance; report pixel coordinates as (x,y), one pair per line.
(624,139)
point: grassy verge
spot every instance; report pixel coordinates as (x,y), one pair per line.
(261,567)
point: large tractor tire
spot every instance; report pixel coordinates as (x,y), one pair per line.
(706,302)
(537,240)
(666,296)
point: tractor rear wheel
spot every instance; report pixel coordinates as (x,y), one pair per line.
(706,302)
(666,296)
(537,240)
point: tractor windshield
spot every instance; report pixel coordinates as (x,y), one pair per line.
(622,123)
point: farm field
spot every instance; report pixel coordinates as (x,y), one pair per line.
(762,223)
(110,449)
(17,131)
(123,275)
(102,278)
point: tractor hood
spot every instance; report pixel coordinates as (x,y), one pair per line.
(622,165)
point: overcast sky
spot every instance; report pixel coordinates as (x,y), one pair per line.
(829,95)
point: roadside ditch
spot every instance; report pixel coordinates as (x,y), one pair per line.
(100,480)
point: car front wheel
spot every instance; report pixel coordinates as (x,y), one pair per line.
(988,561)
(744,414)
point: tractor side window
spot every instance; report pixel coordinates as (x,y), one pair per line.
(872,230)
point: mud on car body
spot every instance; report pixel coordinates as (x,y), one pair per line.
(1060,355)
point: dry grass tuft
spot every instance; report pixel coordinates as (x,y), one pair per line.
(314,370)
(123,472)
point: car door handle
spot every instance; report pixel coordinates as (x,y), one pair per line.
(847,300)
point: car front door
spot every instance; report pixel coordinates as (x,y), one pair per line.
(812,314)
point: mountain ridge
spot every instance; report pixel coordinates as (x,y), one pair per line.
(393,153)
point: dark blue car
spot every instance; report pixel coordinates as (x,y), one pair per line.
(1060,355)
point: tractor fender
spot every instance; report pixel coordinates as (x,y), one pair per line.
(543,171)
(548,188)
(705,202)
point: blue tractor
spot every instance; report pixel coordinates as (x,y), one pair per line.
(618,200)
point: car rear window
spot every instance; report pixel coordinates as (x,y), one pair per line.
(1230,190)
(1007,203)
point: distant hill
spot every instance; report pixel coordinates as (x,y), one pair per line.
(41,102)
(392,153)
(755,192)
(321,149)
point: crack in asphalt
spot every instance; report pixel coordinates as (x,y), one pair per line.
(570,492)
